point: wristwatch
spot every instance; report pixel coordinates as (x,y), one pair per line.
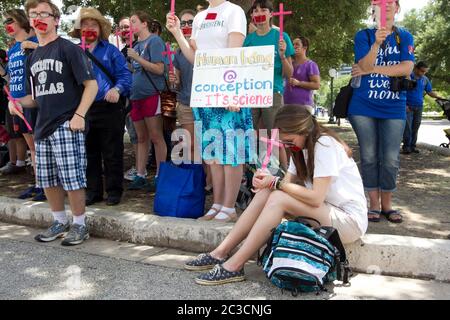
(117,89)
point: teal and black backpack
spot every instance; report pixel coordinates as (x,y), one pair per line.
(299,258)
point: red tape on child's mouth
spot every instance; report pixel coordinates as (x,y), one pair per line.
(40,25)
(89,34)
(259,19)
(9,29)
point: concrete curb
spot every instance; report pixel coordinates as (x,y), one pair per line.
(379,254)
(439,150)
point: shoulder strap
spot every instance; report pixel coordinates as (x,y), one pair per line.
(100,66)
(150,79)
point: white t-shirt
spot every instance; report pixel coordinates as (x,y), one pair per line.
(346,190)
(212,33)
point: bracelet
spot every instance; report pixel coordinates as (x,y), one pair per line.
(278,184)
(79,115)
(273,184)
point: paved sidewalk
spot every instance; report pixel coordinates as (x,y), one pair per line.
(104,269)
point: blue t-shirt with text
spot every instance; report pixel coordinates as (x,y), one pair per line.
(374,97)
(16,69)
(414,97)
(187,70)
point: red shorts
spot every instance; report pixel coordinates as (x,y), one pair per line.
(145,108)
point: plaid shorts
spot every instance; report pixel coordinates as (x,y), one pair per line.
(61,160)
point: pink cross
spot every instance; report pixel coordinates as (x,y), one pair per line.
(382,4)
(83,43)
(10,98)
(172,7)
(282,13)
(169,54)
(270,143)
(117,33)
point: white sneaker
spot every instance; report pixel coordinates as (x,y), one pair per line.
(131,174)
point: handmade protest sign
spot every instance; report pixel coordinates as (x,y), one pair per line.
(233,77)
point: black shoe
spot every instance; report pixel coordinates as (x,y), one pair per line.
(415,151)
(90,200)
(112,200)
(405,152)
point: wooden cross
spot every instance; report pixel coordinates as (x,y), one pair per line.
(382,4)
(169,53)
(20,115)
(282,13)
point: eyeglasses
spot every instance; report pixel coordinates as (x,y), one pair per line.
(8,21)
(188,22)
(42,14)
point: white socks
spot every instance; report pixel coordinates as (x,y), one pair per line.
(214,206)
(80,219)
(60,216)
(225,213)
(20,163)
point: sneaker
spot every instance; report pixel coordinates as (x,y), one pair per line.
(415,150)
(77,234)
(112,200)
(219,275)
(40,195)
(29,193)
(55,231)
(203,261)
(10,168)
(138,183)
(151,185)
(131,174)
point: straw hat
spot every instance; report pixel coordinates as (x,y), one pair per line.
(91,13)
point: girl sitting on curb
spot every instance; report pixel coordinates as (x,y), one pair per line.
(323,182)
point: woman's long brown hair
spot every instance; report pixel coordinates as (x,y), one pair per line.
(296,119)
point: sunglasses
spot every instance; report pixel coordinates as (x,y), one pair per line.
(8,21)
(188,22)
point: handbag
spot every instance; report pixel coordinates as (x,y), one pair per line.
(168,98)
(340,109)
(180,191)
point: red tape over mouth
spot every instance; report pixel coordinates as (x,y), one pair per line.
(89,34)
(40,25)
(9,29)
(186,31)
(259,19)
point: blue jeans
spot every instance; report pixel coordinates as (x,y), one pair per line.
(413,121)
(379,143)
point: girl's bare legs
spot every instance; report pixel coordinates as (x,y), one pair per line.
(276,206)
(243,225)
(142,147)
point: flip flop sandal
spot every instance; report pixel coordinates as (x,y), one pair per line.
(376,215)
(390,213)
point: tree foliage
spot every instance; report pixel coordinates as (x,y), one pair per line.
(330,25)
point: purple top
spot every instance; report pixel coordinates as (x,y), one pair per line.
(297,95)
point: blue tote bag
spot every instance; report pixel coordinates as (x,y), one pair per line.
(180,191)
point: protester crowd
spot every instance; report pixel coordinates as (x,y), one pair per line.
(70,105)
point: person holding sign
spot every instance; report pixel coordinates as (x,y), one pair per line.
(265,35)
(222,25)
(377,110)
(148,81)
(322,183)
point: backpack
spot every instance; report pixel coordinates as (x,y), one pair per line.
(299,258)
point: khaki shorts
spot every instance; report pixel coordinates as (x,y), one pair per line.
(267,114)
(347,227)
(184,114)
